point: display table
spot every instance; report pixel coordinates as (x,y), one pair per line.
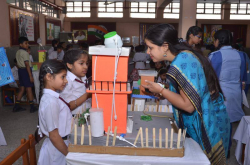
(193,156)
(242,136)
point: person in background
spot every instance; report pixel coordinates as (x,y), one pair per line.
(209,49)
(194,37)
(239,43)
(26,79)
(230,67)
(77,62)
(248,74)
(162,78)
(140,57)
(159,65)
(84,46)
(132,51)
(53,48)
(64,45)
(14,71)
(58,54)
(194,91)
(69,47)
(237,47)
(29,51)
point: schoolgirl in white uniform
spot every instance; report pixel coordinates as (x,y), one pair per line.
(54,114)
(77,62)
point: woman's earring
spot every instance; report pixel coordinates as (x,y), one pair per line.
(165,55)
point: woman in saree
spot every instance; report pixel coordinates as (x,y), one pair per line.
(194,91)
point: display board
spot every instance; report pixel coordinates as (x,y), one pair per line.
(53,28)
(23,23)
(238,31)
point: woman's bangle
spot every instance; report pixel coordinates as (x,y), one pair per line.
(75,103)
(161,91)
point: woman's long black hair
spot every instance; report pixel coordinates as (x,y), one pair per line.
(165,33)
(225,38)
(195,30)
(49,66)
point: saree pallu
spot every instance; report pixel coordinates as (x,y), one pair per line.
(209,124)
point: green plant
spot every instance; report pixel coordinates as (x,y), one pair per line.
(81,119)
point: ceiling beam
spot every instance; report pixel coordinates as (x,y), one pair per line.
(163,3)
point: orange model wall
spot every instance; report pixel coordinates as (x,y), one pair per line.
(121,103)
(105,67)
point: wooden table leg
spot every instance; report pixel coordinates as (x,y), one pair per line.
(157,107)
(133,103)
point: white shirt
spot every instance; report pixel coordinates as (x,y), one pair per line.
(31,58)
(74,90)
(14,71)
(60,55)
(54,114)
(53,55)
(50,50)
(80,37)
(140,59)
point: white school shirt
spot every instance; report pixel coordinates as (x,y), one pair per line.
(140,59)
(51,50)
(14,71)
(53,55)
(53,114)
(60,55)
(31,58)
(74,90)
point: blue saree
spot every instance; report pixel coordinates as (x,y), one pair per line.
(209,124)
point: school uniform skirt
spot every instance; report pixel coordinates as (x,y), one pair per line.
(49,155)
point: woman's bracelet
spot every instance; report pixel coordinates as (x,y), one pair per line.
(161,91)
(75,103)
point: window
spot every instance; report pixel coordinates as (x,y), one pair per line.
(172,11)
(13,2)
(142,9)
(48,10)
(78,9)
(36,6)
(110,9)
(240,11)
(208,11)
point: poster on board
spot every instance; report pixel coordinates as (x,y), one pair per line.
(209,33)
(57,30)
(50,31)
(26,26)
